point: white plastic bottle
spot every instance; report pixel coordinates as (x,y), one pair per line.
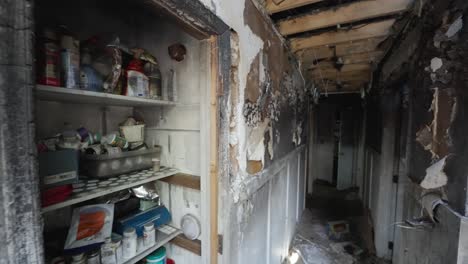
(129,243)
(149,235)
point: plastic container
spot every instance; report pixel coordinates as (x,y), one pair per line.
(134,133)
(149,235)
(108,255)
(129,243)
(105,166)
(156,164)
(70,55)
(157,257)
(78,259)
(115,141)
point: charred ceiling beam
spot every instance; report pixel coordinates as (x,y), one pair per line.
(349,13)
(343,49)
(372,30)
(338,61)
(273,7)
(341,87)
(357,75)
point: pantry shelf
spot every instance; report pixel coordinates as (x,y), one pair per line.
(78,198)
(60,94)
(165,234)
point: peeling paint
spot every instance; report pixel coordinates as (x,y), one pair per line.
(436,136)
(435,175)
(436,63)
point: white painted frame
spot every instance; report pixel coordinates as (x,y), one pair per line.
(205,136)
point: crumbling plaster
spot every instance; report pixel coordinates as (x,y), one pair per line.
(267,115)
(430,57)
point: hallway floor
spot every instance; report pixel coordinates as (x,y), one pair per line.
(312,239)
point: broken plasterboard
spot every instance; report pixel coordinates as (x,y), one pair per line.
(435,137)
(435,175)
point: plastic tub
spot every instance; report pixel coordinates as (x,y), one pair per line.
(134,133)
(105,166)
(157,257)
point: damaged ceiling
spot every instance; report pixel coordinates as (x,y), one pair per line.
(339,42)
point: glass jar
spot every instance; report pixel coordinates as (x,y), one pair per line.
(108,252)
(154,79)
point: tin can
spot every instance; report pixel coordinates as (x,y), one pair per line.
(116,141)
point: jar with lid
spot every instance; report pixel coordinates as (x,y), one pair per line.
(154,80)
(78,259)
(129,243)
(108,252)
(117,245)
(149,235)
(94,257)
(48,58)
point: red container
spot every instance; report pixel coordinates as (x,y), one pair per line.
(170,261)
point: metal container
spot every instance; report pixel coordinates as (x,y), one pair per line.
(106,166)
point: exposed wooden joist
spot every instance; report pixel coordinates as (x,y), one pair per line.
(345,14)
(357,58)
(343,88)
(344,69)
(342,76)
(373,30)
(272,7)
(343,49)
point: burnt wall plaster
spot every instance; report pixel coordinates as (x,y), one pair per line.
(267,123)
(430,57)
(20,225)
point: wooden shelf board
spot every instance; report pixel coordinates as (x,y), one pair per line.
(185,180)
(60,94)
(182,241)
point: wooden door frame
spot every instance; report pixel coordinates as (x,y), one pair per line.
(203,24)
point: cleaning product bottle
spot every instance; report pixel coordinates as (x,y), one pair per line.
(137,81)
(89,78)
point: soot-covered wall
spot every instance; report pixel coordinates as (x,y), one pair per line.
(429,64)
(262,195)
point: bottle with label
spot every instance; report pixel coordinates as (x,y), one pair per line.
(137,81)
(129,243)
(70,54)
(154,78)
(89,78)
(108,252)
(149,235)
(48,54)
